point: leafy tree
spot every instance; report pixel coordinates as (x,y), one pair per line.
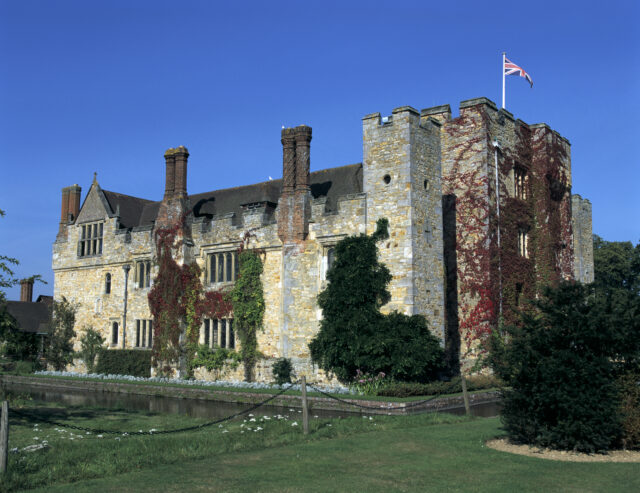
(561,366)
(354,335)
(247,297)
(90,343)
(617,266)
(59,348)
(6,273)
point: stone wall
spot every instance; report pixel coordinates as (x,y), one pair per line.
(582,239)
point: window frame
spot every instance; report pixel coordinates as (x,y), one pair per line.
(221,267)
(214,336)
(90,239)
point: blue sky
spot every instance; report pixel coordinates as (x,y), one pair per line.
(108,86)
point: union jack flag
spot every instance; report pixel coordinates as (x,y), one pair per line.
(511,68)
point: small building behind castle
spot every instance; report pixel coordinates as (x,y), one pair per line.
(480,214)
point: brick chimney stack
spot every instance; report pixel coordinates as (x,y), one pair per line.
(181,155)
(26,290)
(70,206)
(294,206)
(170,182)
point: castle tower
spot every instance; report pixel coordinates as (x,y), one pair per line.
(402,180)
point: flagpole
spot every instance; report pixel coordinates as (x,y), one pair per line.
(504,55)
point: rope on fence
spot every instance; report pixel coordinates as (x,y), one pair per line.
(380,407)
(159,432)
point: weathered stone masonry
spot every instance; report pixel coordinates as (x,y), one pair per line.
(413,173)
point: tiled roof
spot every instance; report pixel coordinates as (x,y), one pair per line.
(331,183)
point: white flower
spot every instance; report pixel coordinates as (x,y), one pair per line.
(295,423)
(225,431)
(253,420)
(99,436)
(258,428)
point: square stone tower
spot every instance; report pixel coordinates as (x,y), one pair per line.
(402,182)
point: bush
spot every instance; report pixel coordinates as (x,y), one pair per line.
(136,363)
(560,366)
(216,359)
(23,367)
(629,388)
(90,343)
(59,348)
(453,386)
(354,336)
(282,371)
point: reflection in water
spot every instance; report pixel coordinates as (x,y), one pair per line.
(191,407)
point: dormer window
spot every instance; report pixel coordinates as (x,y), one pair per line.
(90,242)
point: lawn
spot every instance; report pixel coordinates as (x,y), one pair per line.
(374,453)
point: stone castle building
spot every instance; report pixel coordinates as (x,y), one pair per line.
(454,236)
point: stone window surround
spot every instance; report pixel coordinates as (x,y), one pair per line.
(90,239)
(218,332)
(520,182)
(142,273)
(107,283)
(144,334)
(523,242)
(230,266)
(328,242)
(114,333)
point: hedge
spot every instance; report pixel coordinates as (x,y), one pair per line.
(132,362)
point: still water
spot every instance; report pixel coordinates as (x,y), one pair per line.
(192,407)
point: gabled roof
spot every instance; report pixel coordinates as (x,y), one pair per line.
(130,208)
(331,183)
(31,316)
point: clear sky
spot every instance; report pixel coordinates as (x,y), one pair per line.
(108,86)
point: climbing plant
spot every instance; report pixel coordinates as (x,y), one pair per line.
(247,298)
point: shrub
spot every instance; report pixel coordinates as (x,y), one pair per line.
(282,371)
(560,366)
(59,348)
(354,335)
(22,367)
(453,386)
(132,362)
(629,388)
(215,359)
(90,343)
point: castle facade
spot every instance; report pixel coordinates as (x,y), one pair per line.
(480,217)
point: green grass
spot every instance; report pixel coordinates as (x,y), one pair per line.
(427,452)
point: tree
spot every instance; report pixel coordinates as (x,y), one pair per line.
(617,283)
(7,278)
(354,335)
(561,366)
(59,348)
(90,344)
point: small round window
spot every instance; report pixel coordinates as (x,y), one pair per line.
(387,179)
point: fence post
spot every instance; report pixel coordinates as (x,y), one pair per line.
(305,408)
(4,436)
(465,394)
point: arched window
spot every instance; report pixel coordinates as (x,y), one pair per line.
(114,334)
(107,283)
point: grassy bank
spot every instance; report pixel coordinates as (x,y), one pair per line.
(71,455)
(426,452)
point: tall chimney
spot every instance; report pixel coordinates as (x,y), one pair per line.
(288,161)
(64,209)
(303,159)
(74,202)
(170,181)
(70,206)
(181,154)
(294,207)
(26,290)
